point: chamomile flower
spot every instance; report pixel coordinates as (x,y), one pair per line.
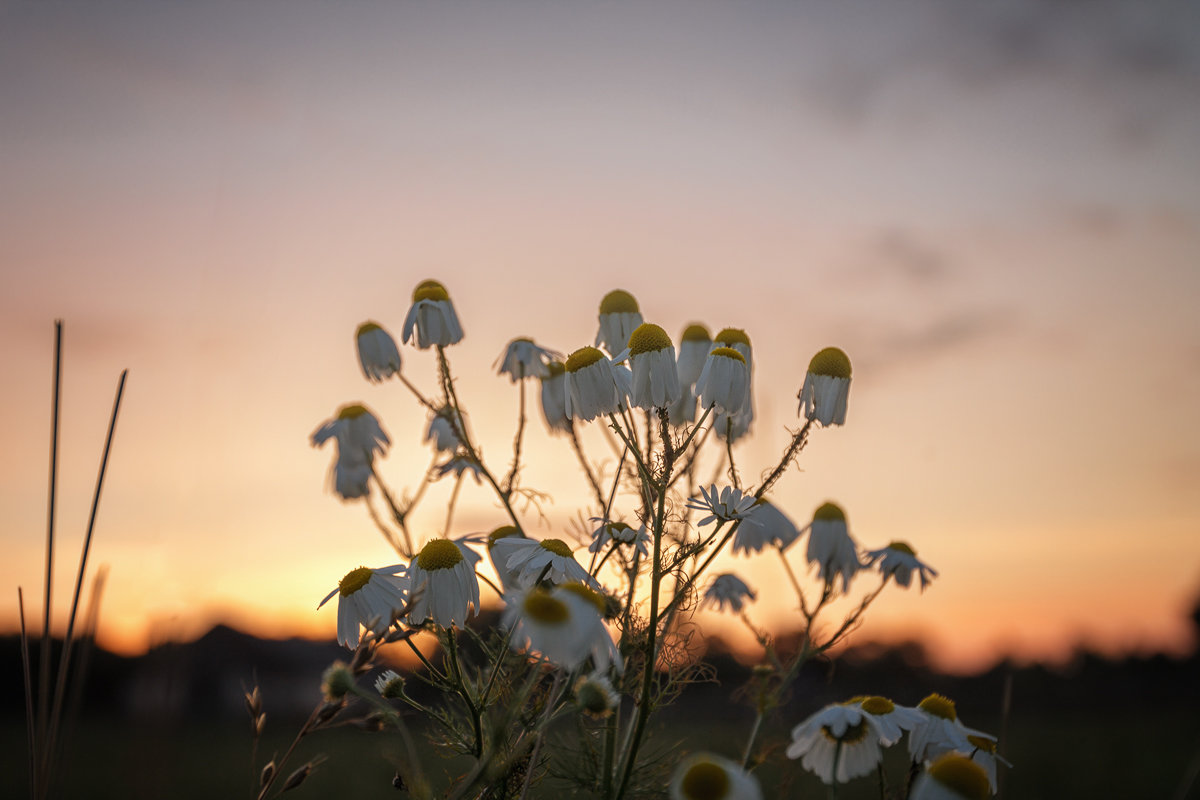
(442,585)
(830,546)
(683,410)
(732,427)
(564,624)
(892,719)
(524,359)
(728,590)
(357,432)
(952,777)
(619,316)
(704,776)
(766,526)
(724,381)
(985,755)
(432,316)
(727,505)
(359,437)
(736,339)
(595,695)
(899,560)
(838,743)
(554,397)
(368,597)
(458,465)
(508,577)
(529,558)
(390,685)
(592,387)
(694,344)
(377,352)
(826,387)
(441,430)
(652,360)
(619,532)
(939,730)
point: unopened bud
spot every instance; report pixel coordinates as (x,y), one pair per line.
(297,777)
(337,681)
(253,702)
(259,724)
(268,772)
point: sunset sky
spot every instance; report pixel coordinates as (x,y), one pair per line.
(993,208)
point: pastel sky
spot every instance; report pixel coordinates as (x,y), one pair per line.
(994,209)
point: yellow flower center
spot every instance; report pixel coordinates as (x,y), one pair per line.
(368,327)
(728,352)
(353,411)
(554,368)
(556,546)
(646,338)
(430,290)
(982,743)
(853,734)
(541,607)
(832,362)
(503,532)
(355,579)
(902,547)
(618,301)
(439,554)
(579,590)
(583,357)
(829,511)
(939,706)
(695,333)
(705,780)
(732,336)
(878,705)
(962,776)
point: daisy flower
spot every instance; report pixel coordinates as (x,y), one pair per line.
(652,360)
(728,590)
(432,315)
(377,352)
(952,777)
(728,505)
(458,465)
(390,685)
(508,577)
(529,558)
(564,624)
(368,597)
(683,410)
(554,397)
(442,585)
(732,427)
(736,339)
(704,776)
(595,695)
(899,560)
(826,387)
(892,719)
(839,742)
(940,731)
(619,532)
(767,525)
(694,344)
(985,755)
(524,359)
(441,430)
(724,381)
(592,387)
(619,316)
(359,437)
(830,546)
